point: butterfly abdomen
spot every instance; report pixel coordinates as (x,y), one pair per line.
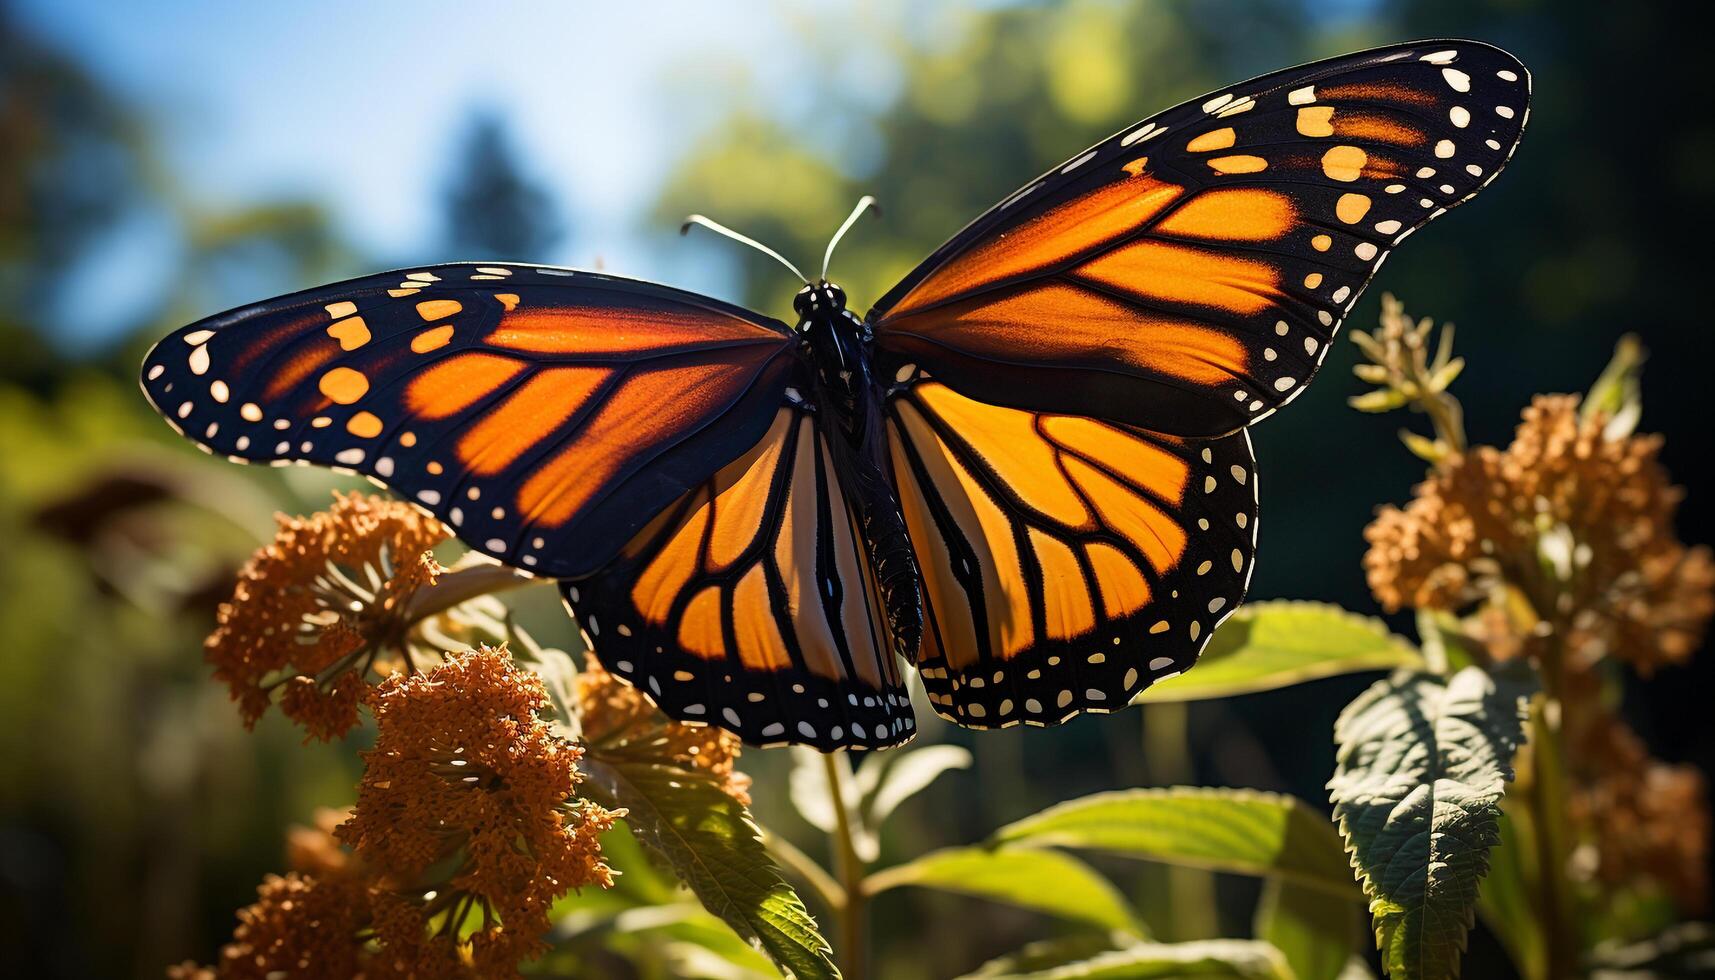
(896,574)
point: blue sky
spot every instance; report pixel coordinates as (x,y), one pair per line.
(357,104)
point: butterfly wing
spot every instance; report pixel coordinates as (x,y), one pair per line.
(1068,563)
(546,415)
(1187,274)
(749,604)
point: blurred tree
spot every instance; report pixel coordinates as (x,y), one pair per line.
(69,158)
(494,209)
(134,814)
(68,165)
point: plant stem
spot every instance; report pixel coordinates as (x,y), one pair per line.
(1546,798)
(1189,909)
(462,584)
(854,939)
(1448,419)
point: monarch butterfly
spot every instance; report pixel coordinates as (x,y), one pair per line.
(1026,471)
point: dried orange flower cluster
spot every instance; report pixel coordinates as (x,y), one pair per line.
(1580,524)
(466,830)
(299,926)
(1564,544)
(1649,818)
(467,782)
(617,717)
(321,607)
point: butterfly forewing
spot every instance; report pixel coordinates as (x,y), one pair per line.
(1068,563)
(545,415)
(750,604)
(1187,274)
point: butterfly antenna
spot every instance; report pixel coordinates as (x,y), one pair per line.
(720,229)
(864,204)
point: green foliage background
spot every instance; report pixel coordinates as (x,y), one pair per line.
(135,814)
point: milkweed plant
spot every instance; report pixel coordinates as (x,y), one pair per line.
(521,811)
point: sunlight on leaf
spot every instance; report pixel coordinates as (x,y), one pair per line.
(1237,959)
(1045,881)
(808,787)
(1266,645)
(887,779)
(1242,831)
(710,841)
(1417,787)
(1046,954)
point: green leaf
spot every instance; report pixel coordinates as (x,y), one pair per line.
(887,779)
(1417,786)
(1265,645)
(1618,393)
(807,787)
(1317,936)
(1045,881)
(678,938)
(558,673)
(815,801)
(1234,959)
(1047,954)
(1241,831)
(710,841)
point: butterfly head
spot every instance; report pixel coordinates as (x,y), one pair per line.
(819,300)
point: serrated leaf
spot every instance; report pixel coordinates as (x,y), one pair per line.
(887,779)
(1265,645)
(1241,831)
(688,822)
(1316,936)
(1422,765)
(1233,959)
(1045,881)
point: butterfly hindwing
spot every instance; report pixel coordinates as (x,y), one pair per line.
(546,415)
(1068,562)
(749,604)
(1187,274)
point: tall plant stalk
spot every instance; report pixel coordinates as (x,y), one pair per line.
(849,870)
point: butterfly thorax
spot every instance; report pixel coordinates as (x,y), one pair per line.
(838,348)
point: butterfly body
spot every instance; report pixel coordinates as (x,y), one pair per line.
(839,350)
(1026,472)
